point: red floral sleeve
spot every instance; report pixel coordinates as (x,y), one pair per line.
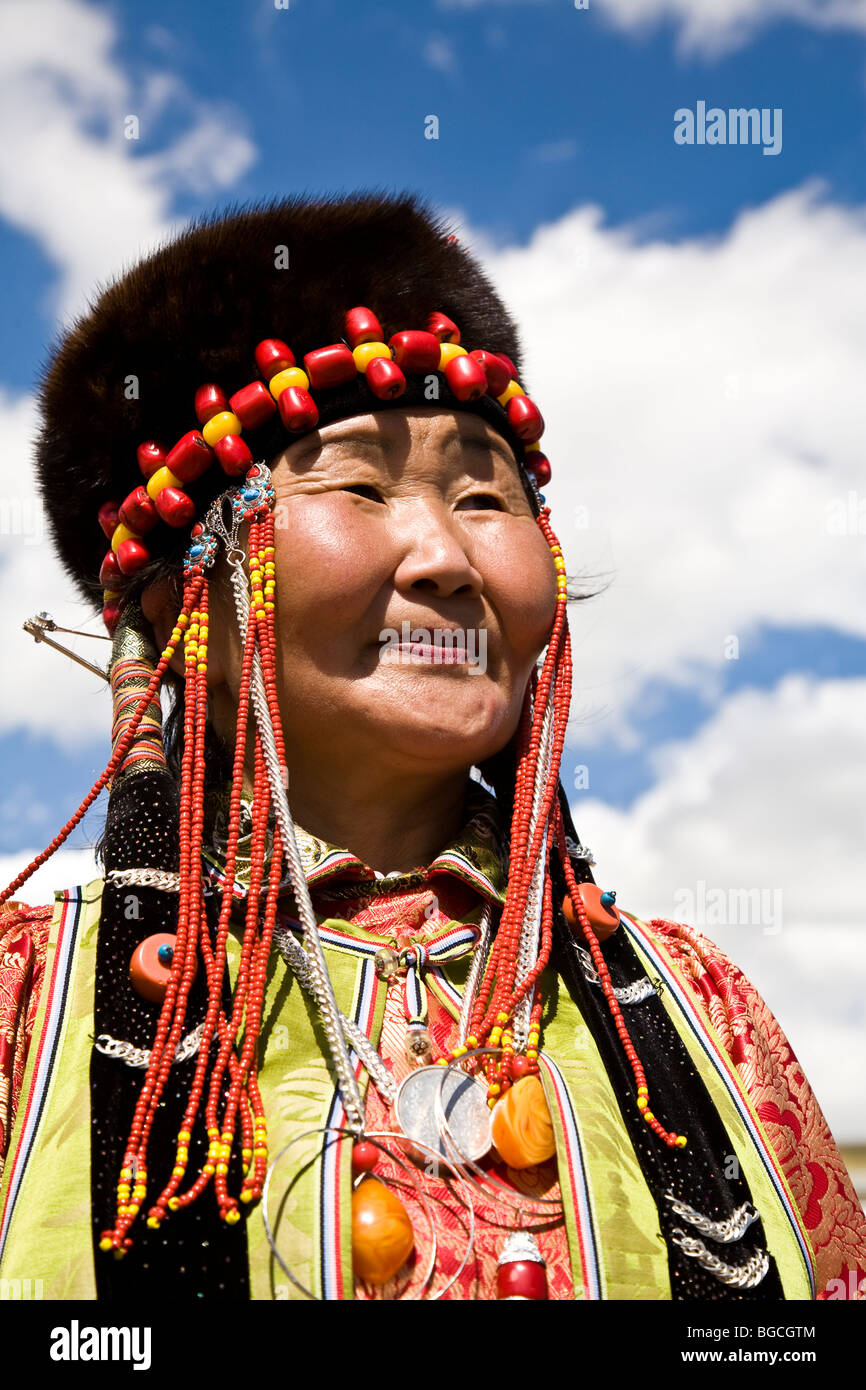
(23,941)
(786,1106)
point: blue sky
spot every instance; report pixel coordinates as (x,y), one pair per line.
(693,323)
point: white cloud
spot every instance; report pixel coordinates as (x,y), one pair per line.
(707,27)
(439,54)
(93,199)
(66,869)
(767,796)
(713,27)
(705,432)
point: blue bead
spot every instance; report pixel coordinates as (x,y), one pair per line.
(608,898)
(165,955)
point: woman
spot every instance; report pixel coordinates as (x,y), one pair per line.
(340,1021)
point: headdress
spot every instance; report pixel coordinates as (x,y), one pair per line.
(161,410)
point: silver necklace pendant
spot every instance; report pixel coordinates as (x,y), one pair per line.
(446,1111)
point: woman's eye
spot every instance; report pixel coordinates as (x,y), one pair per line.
(480,502)
(364,490)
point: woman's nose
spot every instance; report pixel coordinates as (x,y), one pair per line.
(435,558)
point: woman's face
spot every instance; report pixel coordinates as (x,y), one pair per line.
(414,590)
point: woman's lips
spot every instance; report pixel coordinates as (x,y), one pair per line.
(427,654)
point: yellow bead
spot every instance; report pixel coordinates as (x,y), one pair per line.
(222,1168)
(154,1223)
(109,594)
(447,351)
(163,477)
(246,1153)
(246,1195)
(500,1017)
(460,1051)
(365,352)
(512,389)
(471,1042)
(491,1102)
(122,533)
(642,1103)
(174,1204)
(208,1170)
(681,1141)
(531,448)
(219,425)
(648,1115)
(494,1089)
(531,1054)
(232,1217)
(292,376)
(105,1243)
(184,1136)
(177,1171)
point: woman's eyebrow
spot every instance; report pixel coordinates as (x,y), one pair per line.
(369,435)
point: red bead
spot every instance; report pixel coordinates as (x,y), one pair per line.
(111,616)
(385,379)
(234,455)
(132,556)
(190,457)
(272,356)
(253,405)
(512,370)
(519,1067)
(415,351)
(525,419)
(138,512)
(146,971)
(175,507)
(445,329)
(466,378)
(151,456)
(365,1157)
(108,517)
(298,410)
(539,465)
(110,571)
(362,326)
(209,401)
(522,1279)
(497,373)
(330,366)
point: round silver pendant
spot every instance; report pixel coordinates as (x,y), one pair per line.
(432,1094)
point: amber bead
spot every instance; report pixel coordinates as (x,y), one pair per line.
(362,326)
(415,351)
(382,1235)
(272,356)
(385,379)
(521,1128)
(209,401)
(253,405)
(190,457)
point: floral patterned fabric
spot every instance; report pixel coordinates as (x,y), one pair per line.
(23,941)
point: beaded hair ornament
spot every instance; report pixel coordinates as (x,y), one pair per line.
(500,1026)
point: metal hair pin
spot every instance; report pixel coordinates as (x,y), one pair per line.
(43,623)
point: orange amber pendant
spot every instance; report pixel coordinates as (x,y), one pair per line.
(522,1129)
(382,1235)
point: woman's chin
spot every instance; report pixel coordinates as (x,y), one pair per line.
(459,725)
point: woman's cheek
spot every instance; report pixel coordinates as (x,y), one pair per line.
(522,585)
(328,553)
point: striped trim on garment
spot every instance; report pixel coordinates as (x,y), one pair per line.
(724,1068)
(575,1168)
(330,1232)
(49,1041)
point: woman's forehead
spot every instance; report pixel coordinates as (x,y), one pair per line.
(401,431)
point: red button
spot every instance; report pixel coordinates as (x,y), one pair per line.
(146,971)
(603,920)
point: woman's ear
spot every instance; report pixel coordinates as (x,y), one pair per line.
(160,605)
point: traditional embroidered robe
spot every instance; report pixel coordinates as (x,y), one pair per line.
(606,1245)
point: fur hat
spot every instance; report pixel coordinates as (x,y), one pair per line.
(194,311)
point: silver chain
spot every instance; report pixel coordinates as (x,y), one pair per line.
(744,1276)
(140,1056)
(145,878)
(634,993)
(732,1228)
